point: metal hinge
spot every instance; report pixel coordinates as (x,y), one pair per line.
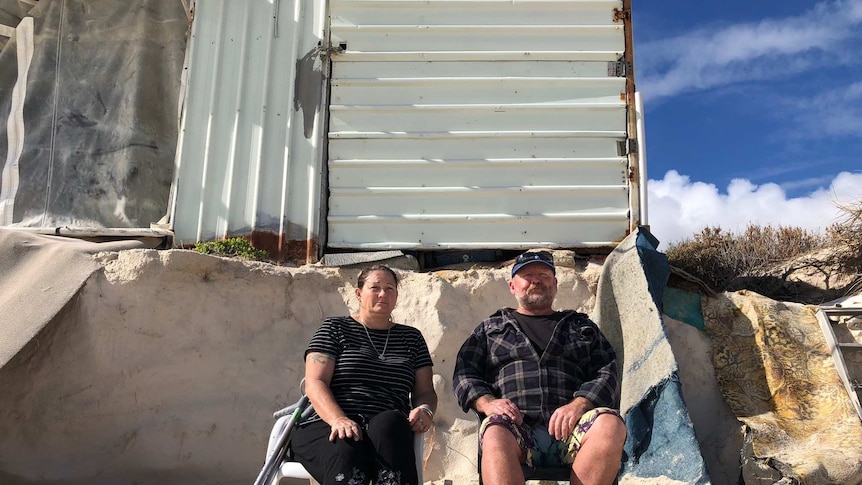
(333,50)
(622,15)
(627,146)
(619,68)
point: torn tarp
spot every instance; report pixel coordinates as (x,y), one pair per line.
(88,124)
(38,276)
(661,438)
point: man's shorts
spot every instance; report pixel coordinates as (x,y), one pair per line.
(540,447)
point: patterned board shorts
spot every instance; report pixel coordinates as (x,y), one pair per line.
(541,448)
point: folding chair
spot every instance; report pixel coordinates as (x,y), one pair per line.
(279,444)
(279,460)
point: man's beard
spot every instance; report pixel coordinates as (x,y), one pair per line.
(536,300)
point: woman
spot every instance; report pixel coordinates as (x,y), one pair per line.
(370,382)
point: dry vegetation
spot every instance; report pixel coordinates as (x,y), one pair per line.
(772,261)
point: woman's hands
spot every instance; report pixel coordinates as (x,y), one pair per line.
(319,368)
(344,428)
(421,418)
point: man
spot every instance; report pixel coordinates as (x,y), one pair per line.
(546,382)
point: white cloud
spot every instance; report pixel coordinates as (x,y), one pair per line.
(720,56)
(809,183)
(836,112)
(679,208)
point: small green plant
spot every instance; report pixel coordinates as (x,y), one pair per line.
(232,247)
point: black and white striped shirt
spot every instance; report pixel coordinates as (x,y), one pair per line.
(362,383)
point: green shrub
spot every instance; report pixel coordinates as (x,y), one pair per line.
(232,247)
(720,257)
(847,233)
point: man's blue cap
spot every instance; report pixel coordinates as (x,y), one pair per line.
(543,257)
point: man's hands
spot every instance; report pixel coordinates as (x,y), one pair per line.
(488,405)
(561,425)
(343,428)
(565,418)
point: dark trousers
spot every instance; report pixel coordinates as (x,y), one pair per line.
(384,456)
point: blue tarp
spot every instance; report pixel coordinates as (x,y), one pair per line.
(660,442)
(684,306)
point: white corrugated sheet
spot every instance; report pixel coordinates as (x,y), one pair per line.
(468,124)
(479,124)
(250,149)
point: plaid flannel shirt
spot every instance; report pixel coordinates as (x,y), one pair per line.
(498,359)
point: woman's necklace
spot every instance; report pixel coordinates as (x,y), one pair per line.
(380,355)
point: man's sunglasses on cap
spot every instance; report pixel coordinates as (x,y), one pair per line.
(543,257)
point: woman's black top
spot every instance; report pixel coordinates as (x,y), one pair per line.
(363,383)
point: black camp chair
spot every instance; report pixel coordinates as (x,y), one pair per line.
(550,473)
(540,473)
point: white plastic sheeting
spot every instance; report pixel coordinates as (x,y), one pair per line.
(88,102)
(9,178)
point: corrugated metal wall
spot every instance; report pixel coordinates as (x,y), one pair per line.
(480,124)
(251,148)
(452,125)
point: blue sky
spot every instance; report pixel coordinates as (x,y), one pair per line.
(753,111)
